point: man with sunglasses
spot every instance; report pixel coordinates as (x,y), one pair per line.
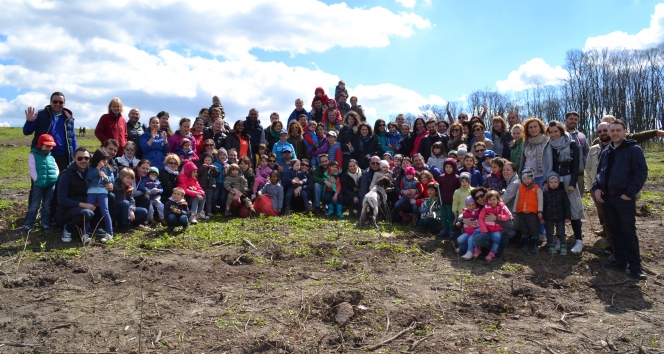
(57,121)
(591,174)
(367,175)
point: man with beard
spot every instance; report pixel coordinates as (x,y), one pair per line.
(319,180)
(640,137)
(134,130)
(357,108)
(433,137)
(571,122)
(420,166)
(367,176)
(513,119)
(253,127)
(342,105)
(317,112)
(591,173)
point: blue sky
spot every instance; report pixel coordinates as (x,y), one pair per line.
(394,55)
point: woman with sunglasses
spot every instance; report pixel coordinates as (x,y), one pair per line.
(380,132)
(350,188)
(483,240)
(168,175)
(154,143)
(477,135)
(456,137)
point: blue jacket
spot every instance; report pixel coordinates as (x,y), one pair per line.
(295,114)
(156,152)
(288,176)
(63,132)
(147,184)
(97,184)
(621,170)
(476,179)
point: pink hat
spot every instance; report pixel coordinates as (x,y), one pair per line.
(410,171)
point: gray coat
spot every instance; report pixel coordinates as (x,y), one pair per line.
(547,159)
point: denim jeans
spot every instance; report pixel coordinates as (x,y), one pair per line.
(485,242)
(496,236)
(467,240)
(101,199)
(177,220)
(78,217)
(405,200)
(122,214)
(290,193)
(43,197)
(327,198)
(318,189)
(539,181)
(219,196)
(197,206)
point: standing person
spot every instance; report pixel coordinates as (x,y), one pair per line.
(431,138)
(516,145)
(513,119)
(197,135)
(175,141)
(556,213)
(253,127)
(239,140)
(154,144)
(591,173)
(342,105)
(406,139)
(297,141)
(621,174)
(44,173)
(215,133)
(357,108)
(443,127)
(448,182)
(455,137)
(164,125)
(380,131)
(112,125)
(272,134)
(316,112)
(537,154)
(571,123)
(319,181)
(204,114)
(529,207)
(347,135)
(478,135)
(501,137)
(419,132)
(364,146)
(207,178)
(58,122)
(99,175)
(134,130)
(299,110)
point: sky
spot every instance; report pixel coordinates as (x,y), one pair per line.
(394,55)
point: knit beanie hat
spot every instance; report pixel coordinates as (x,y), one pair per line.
(552,175)
(222,151)
(528,172)
(184,141)
(462,151)
(410,171)
(465,175)
(153,170)
(452,152)
(384,163)
(469,200)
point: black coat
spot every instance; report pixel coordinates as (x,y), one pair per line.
(134,134)
(168,182)
(556,204)
(349,189)
(218,138)
(569,167)
(233,142)
(407,145)
(427,142)
(371,148)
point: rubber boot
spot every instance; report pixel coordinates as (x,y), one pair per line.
(525,241)
(339,214)
(330,209)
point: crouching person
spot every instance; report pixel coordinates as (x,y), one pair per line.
(73,211)
(176,210)
(125,212)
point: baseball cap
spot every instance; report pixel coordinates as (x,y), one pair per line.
(45,139)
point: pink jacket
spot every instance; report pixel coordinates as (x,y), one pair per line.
(500,211)
(185,181)
(473,215)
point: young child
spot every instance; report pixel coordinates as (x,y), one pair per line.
(411,189)
(438,157)
(556,213)
(384,172)
(430,208)
(388,157)
(332,194)
(207,178)
(529,207)
(236,186)
(270,198)
(280,145)
(486,164)
(453,154)
(449,182)
(152,187)
(176,210)
(476,179)
(309,136)
(128,159)
(186,153)
(494,206)
(44,174)
(320,93)
(334,148)
(99,174)
(340,89)
(396,166)
(472,213)
(393,138)
(262,173)
(460,195)
(123,190)
(495,180)
(461,155)
(221,164)
(292,179)
(188,181)
(323,145)
(262,150)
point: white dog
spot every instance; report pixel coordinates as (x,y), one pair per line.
(375,199)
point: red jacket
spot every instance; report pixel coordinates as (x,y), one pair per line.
(500,211)
(190,185)
(110,127)
(323,99)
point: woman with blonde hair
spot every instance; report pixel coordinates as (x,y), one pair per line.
(112,125)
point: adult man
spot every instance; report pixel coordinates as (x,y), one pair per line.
(443,125)
(342,105)
(621,174)
(297,111)
(319,181)
(400,119)
(367,176)
(591,171)
(57,121)
(72,194)
(113,125)
(640,137)
(357,108)
(407,143)
(317,112)
(571,122)
(274,117)
(255,130)
(434,136)
(420,166)
(135,129)
(111,147)
(513,119)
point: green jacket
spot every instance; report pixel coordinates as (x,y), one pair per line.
(43,169)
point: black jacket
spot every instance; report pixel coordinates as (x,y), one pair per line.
(349,189)
(168,182)
(255,131)
(407,145)
(346,135)
(556,204)
(371,148)
(72,188)
(621,170)
(134,134)
(218,138)
(171,207)
(427,142)
(233,142)
(569,167)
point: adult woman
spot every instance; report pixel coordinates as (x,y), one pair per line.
(566,156)
(296,139)
(456,137)
(513,184)
(215,113)
(364,146)
(239,140)
(154,143)
(537,153)
(163,124)
(197,134)
(168,175)
(516,145)
(141,171)
(477,131)
(347,134)
(112,125)
(484,240)
(419,132)
(381,134)
(215,133)
(184,132)
(350,188)
(204,114)
(272,134)
(501,137)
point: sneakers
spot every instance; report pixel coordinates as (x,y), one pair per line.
(476,252)
(457,250)
(100,232)
(490,256)
(552,248)
(557,245)
(563,250)
(227,213)
(202,216)
(578,247)
(25,231)
(107,237)
(85,239)
(66,236)
(637,274)
(452,236)
(192,219)
(468,256)
(287,211)
(46,229)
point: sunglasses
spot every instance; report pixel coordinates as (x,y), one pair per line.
(477,130)
(130,149)
(306,165)
(456,130)
(172,163)
(480,196)
(58,102)
(603,131)
(381,125)
(82,158)
(375,163)
(480,150)
(271,160)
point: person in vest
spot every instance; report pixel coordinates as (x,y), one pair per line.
(44,174)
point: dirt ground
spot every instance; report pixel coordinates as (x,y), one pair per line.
(237,299)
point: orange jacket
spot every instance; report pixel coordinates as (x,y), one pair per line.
(529,199)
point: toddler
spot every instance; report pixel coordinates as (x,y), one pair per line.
(151,186)
(494,206)
(44,174)
(384,172)
(207,178)
(495,181)
(529,205)
(262,173)
(176,210)
(188,181)
(438,157)
(556,213)
(430,208)
(469,232)
(272,191)
(236,186)
(100,174)
(393,139)
(411,189)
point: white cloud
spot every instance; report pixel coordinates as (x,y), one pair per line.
(4,125)
(534,72)
(646,38)
(407,3)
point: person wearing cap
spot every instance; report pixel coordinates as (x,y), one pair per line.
(44,174)
(216,103)
(282,144)
(334,149)
(287,155)
(461,155)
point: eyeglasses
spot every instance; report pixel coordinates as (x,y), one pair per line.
(286,152)
(305,165)
(130,149)
(271,160)
(375,163)
(603,131)
(477,130)
(209,144)
(480,196)
(58,102)
(456,130)
(480,150)
(81,158)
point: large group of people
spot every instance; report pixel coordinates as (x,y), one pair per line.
(486,187)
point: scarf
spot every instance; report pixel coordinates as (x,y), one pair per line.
(363,140)
(356,176)
(274,134)
(533,153)
(454,143)
(561,145)
(173,172)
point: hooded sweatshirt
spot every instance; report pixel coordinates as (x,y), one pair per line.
(449,182)
(185,181)
(323,98)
